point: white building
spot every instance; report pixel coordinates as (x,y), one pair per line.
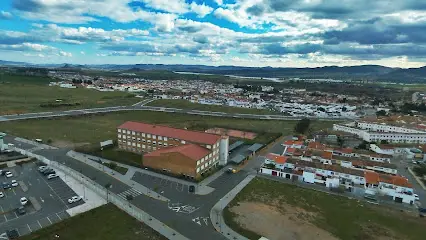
(378,132)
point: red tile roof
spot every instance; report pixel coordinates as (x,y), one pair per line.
(292,142)
(192,151)
(192,136)
(277,158)
(327,155)
(371,177)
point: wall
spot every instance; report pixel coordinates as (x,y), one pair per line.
(308,177)
(175,163)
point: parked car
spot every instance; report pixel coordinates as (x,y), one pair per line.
(48,172)
(45,169)
(21,210)
(23,201)
(1,194)
(50,176)
(9,174)
(416,196)
(6,185)
(12,234)
(14,183)
(41,168)
(74,199)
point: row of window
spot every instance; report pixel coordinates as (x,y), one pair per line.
(207,165)
(123,131)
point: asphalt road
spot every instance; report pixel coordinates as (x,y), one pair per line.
(40,115)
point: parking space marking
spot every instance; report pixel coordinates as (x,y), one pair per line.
(58,217)
(55,194)
(49,220)
(29,228)
(16,215)
(39,224)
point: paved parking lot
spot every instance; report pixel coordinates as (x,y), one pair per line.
(47,200)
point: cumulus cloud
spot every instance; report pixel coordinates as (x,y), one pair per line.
(5,15)
(200,10)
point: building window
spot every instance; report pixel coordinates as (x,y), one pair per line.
(143,134)
(202,167)
(160,138)
(128,143)
(209,146)
(183,142)
(160,143)
(139,145)
(165,144)
(134,144)
(133,133)
(210,155)
(128,132)
(148,135)
(198,170)
(198,162)
(165,138)
(154,142)
(119,135)
(119,130)
(154,136)
(139,139)
(143,146)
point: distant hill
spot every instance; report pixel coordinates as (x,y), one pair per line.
(363,72)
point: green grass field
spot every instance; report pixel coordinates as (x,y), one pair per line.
(103,223)
(21,94)
(185,104)
(344,218)
(92,129)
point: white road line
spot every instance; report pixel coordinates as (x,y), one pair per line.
(39,224)
(13,190)
(2,210)
(55,193)
(49,220)
(29,228)
(58,217)
(15,214)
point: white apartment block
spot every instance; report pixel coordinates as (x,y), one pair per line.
(371,132)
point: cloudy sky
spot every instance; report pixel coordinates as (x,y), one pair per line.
(278,33)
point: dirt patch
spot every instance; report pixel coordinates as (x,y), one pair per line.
(67,144)
(374,231)
(101,102)
(269,221)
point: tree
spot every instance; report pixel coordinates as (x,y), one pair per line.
(344,109)
(302,126)
(321,109)
(384,142)
(340,141)
(381,113)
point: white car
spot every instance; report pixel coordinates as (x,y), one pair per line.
(1,194)
(74,199)
(42,168)
(9,174)
(14,183)
(23,201)
(50,176)
(416,197)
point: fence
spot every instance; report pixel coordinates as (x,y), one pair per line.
(110,197)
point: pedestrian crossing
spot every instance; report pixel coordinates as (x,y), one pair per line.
(132,192)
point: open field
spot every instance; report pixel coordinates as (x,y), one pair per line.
(21,94)
(103,223)
(185,104)
(91,129)
(281,211)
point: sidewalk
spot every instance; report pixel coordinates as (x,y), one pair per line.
(216,212)
(123,178)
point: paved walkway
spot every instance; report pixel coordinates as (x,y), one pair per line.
(123,178)
(216,212)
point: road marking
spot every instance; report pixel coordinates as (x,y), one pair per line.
(205,220)
(58,217)
(2,210)
(39,224)
(197,220)
(41,199)
(13,190)
(4,236)
(29,184)
(29,228)
(56,194)
(15,214)
(49,220)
